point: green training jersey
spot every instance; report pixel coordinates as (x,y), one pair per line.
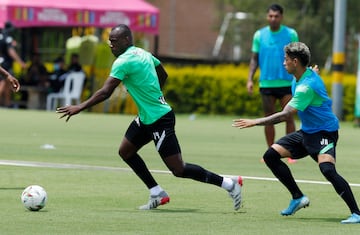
(136,69)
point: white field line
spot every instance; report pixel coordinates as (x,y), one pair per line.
(107,168)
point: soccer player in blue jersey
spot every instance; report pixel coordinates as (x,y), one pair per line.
(275,81)
(317,137)
(143,75)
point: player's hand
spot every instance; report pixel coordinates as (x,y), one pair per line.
(250,86)
(68,111)
(243,123)
(15,85)
(315,68)
(23,65)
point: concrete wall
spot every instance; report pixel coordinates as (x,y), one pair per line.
(188,28)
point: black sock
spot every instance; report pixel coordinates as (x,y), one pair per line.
(341,186)
(273,160)
(139,167)
(198,173)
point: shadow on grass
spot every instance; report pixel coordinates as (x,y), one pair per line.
(12,188)
(317,219)
(173,210)
(37,212)
(178,210)
(187,210)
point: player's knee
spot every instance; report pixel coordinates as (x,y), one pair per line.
(178,172)
(327,169)
(124,154)
(121,153)
(271,155)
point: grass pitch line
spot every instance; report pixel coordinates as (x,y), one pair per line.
(299,181)
(108,168)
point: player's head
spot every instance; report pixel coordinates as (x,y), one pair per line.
(9,28)
(120,39)
(276,7)
(299,51)
(274,16)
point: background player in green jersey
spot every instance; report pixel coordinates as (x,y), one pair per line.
(268,54)
(143,76)
(317,137)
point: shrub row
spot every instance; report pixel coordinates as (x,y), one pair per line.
(221,89)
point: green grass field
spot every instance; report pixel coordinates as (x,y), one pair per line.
(92,191)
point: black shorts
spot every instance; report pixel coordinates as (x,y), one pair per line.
(278,92)
(162,132)
(301,144)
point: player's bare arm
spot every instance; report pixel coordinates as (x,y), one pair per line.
(99,96)
(269,120)
(13,54)
(162,75)
(15,85)
(253,66)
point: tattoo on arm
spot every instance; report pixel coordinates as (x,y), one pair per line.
(274,119)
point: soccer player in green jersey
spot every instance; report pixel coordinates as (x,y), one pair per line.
(317,137)
(275,82)
(143,75)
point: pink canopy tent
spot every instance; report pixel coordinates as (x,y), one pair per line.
(138,14)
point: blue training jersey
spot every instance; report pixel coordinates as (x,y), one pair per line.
(270,47)
(311,100)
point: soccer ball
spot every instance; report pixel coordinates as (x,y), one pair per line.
(34,197)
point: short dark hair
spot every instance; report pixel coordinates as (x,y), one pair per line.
(300,51)
(125,30)
(9,28)
(74,54)
(59,59)
(9,25)
(276,7)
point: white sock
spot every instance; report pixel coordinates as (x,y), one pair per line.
(227,183)
(156,190)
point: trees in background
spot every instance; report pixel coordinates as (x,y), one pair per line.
(313,20)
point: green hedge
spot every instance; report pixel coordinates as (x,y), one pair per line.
(221,89)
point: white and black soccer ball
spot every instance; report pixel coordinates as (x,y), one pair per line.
(34,197)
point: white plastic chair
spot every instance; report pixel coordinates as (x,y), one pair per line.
(71,91)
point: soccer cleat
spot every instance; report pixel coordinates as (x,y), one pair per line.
(156,200)
(235,192)
(295,205)
(353,219)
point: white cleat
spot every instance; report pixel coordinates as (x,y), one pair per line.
(235,192)
(156,200)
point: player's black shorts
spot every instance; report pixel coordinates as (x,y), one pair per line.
(278,92)
(301,144)
(162,132)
